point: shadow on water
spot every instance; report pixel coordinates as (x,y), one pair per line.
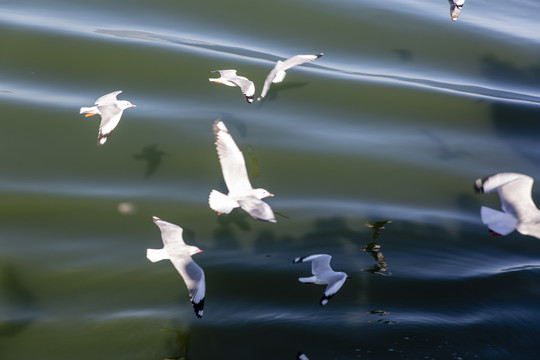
(20,302)
(517,123)
(182,342)
(444,151)
(275,89)
(152,156)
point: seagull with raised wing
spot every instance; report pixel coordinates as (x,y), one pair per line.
(277,74)
(455,8)
(241,193)
(229,78)
(519,211)
(176,250)
(111,111)
(323,275)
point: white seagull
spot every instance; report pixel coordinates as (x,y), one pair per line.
(519,211)
(176,250)
(455,8)
(241,193)
(229,78)
(110,110)
(323,274)
(277,74)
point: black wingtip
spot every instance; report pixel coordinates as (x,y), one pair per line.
(325,299)
(198,308)
(298,260)
(319,55)
(249,99)
(479,185)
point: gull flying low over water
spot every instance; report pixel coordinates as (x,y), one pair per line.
(322,275)
(241,193)
(176,250)
(110,110)
(277,74)
(229,78)
(519,211)
(455,8)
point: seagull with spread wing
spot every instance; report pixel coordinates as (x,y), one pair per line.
(241,193)
(176,250)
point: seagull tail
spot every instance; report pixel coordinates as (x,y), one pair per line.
(498,221)
(155,255)
(220,202)
(85,110)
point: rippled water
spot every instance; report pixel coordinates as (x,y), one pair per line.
(405,110)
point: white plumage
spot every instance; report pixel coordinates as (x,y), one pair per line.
(519,211)
(277,74)
(111,111)
(322,275)
(176,250)
(241,193)
(455,8)
(229,78)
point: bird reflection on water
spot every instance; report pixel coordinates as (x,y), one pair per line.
(374,249)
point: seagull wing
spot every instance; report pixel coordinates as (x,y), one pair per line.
(257,208)
(171,234)
(269,79)
(232,161)
(110,117)
(335,282)
(277,74)
(516,197)
(247,87)
(320,263)
(193,276)
(299,60)
(108,99)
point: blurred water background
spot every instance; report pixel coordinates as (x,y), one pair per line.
(405,110)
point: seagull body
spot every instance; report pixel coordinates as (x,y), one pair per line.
(277,74)
(241,193)
(176,250)
(229,78)
(110,110)
(519,211)
(323,275)
(455,8)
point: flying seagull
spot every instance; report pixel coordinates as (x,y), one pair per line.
(176,250)
(322,275)
(455,8)
(229,78)
(241,193)
(110,110)
(518,209)
(278,72)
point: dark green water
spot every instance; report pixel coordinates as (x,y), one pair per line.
(405,110)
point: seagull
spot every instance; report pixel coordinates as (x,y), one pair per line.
(323,274)
(241,194)
(229,78)
(455,8)
(110,110)
(179,253)
(518,209)
(278,72)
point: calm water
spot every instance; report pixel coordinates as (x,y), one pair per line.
(405,110)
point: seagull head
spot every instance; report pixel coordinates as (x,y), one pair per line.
(193,250)
(262,193)
(124,104)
